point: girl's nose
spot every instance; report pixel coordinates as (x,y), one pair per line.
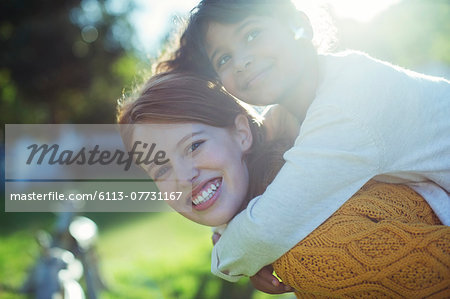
(243,62)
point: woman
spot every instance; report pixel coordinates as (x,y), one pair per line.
(385,240)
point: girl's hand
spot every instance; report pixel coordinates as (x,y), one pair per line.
(266,282)
(215,237)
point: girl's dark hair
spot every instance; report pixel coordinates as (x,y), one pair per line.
(185,98)
(191,54)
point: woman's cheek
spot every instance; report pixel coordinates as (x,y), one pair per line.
(167,186)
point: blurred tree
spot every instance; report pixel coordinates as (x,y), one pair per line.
(412,33)
(63,61)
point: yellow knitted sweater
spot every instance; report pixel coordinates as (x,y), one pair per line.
(384,242)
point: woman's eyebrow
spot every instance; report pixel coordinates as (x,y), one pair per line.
(179,143)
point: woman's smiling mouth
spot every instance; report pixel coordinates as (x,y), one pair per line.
(207,195)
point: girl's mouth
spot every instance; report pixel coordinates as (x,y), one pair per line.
(257,77)
(206,196)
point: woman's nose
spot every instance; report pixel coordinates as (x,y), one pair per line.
(187,173)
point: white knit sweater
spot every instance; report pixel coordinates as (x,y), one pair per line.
(369,119)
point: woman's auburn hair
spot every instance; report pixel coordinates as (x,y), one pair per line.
(184,97)
(178,97)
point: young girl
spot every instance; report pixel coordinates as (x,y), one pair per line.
(362,119)
(383,241)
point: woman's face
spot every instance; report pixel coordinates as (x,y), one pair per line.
(205,164)
(258,59)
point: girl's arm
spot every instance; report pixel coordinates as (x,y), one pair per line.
(333,157)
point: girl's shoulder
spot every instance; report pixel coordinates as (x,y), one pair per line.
(350,75)
(354,62)
(373,90)
(353,74)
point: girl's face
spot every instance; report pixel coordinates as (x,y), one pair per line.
(205,164)
(259,61)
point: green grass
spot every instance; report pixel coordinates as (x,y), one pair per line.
(16,255)
(162,254)
(152,255)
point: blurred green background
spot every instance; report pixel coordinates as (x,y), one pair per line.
(69,61)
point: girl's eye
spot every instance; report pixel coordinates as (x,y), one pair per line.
(222,60)
(194,146)
(252,35)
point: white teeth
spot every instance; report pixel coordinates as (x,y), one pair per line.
(206,195)
(198,199)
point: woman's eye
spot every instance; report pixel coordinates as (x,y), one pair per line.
(194,146)
(252,35)
(161,172)
(222,60)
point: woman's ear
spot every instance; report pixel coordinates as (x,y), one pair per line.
(242,132)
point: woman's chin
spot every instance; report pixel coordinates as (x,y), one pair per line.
(211,217)
(215,220)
